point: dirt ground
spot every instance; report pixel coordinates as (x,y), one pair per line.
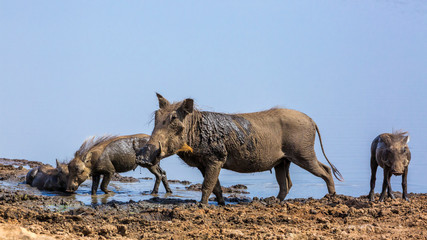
(24,215)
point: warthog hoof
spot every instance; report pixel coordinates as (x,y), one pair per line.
(106,191)
(330,195)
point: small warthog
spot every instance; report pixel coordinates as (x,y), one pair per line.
(46,177)
(250,142)
(107,155)
(391,152)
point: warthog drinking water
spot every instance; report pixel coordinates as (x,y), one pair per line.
(106,156)
(46,177)
(391,152)
(251,142)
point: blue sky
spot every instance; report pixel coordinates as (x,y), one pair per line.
(72,69)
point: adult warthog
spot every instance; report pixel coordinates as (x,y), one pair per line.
(107,155)
(251,142)
(48,178)
(391,152)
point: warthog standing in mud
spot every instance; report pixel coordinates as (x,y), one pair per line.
(391,152)
(106,156)
(251,142)
(46,177)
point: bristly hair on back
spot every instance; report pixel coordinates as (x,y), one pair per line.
(400,134)
(395,136)
(91,142)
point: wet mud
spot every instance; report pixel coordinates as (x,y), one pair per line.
(24,214)
(239,188)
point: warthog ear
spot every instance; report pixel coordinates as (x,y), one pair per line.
(162,101)
(57,163)
(406,139)
(187,106)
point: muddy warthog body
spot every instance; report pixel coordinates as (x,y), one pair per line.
(245,143)
(106,156)
(391,152)
(48,178)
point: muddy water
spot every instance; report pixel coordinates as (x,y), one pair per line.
(260,185)
(136,191)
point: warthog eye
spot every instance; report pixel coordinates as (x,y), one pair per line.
(173,116)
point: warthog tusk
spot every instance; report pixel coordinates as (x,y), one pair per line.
(161,153)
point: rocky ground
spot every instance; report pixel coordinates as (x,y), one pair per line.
(24,215)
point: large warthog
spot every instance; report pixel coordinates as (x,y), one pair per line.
(46,177)
(251,142)
(107,155)
(391,152)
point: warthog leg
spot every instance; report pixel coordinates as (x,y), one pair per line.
(105,181)
(374,166)
(211,182)
(405,184)
(165,180)
(218,193)
(309,162)
(389,190)
(155,172)
(217,190)
(283,178)
(386,183)
(95,183)
(160,175)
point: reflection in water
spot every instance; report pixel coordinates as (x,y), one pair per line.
(102,197)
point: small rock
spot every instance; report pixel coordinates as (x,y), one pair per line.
(87,230)
(107,230)
(122,229)
(384,212)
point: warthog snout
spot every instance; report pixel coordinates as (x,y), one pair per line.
(398,166)
(72,186)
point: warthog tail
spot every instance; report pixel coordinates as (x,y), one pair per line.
(335,171)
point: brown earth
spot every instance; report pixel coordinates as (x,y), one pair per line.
(25,215)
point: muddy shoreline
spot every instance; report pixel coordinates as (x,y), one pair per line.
(25,214)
